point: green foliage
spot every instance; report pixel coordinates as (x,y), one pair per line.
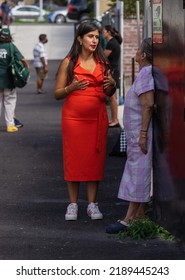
(145,229)
(91,8)
(129,7)
(164,234)
(58,2)
(112,3)
(35,21)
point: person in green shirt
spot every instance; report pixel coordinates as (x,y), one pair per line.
(8,94)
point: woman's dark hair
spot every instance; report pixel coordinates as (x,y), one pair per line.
(146,47)
(5,39)
(83,29)
(114,33)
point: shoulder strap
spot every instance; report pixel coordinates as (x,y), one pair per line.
(12,53)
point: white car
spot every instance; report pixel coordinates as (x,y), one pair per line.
(58,16)
(27,12)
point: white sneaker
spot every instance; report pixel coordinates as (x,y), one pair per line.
(94,212)
(72,212)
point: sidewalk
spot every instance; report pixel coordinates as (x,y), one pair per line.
(33,194)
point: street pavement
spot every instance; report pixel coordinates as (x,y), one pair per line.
(60,38)
(33,194)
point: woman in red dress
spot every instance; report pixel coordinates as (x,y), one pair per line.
(84,80)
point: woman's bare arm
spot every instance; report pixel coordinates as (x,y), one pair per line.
(147,104)
(61,80)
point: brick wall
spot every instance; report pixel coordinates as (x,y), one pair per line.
(130,47)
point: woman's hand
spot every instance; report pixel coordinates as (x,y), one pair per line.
(78,84)
(143,142)
(109,85)
(108,81)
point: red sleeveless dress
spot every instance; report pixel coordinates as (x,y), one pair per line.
(84,128)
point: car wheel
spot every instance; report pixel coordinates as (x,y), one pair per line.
(60,19)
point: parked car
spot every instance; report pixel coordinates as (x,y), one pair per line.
(9,18)
(59,16)
(78,10)
(27,12)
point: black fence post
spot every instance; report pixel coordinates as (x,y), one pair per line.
(133,69)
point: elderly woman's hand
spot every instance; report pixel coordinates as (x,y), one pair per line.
(143,142)
(108,81)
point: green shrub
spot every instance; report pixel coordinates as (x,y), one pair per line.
(145,229)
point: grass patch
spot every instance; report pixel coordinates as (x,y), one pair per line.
(145,229)
(34,21)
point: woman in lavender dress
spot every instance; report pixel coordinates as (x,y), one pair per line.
(136,180)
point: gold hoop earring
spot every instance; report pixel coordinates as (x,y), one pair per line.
(80,43)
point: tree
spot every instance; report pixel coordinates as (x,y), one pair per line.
(60,2)
(129,7)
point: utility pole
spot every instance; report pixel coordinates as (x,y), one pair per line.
(147,19)
(40,18)
(97,9)
(138,23)
(120,7)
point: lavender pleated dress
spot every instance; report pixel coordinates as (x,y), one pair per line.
(136,180)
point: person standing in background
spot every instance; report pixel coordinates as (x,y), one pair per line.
(40,61)
(112,52)
(8,94)
(5,7)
